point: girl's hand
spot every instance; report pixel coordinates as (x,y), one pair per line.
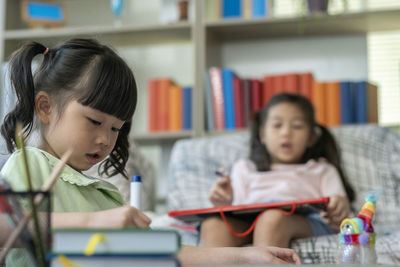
(221,192)
(119,217)
(337,210)
(268,255)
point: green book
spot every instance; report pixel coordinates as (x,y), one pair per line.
(125,241)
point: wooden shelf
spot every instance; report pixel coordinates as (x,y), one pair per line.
(141,33)
(345,23)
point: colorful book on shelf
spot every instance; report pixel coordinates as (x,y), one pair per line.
(163,90)
(175,108)
(209,102)
(152,102)
(231,8)
(126,241)
(291,83)
(319,101)
(267,90)
(306,81)
(218,98)
(347,110)
(256,95)
(332,102)
(303,206)
(247,8)
(66,260)
(238,102)
(246,101)
(366,109)
(259,8)
(213,9)
(229,101)
(187,107)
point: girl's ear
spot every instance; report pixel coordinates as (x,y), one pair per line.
(43,106)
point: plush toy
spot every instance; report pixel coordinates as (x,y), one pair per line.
(357,236)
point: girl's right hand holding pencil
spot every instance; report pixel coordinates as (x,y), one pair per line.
(221,192)
(124,216)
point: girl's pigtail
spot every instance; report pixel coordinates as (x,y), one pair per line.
(22,82)
(327,148)
(258,151)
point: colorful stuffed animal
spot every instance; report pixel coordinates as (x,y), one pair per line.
(357,236)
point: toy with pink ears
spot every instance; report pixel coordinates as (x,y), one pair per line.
(357,236)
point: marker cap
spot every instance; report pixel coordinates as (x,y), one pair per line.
(136,178)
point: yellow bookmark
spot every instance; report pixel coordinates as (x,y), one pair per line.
(64,261)
(92,244)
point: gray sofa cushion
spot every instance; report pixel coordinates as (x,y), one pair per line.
(371,160)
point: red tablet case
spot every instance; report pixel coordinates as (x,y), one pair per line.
(302,206)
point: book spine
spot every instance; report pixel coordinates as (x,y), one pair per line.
(306,85)
(319,96)
(218,98)
(256,100)
(372,95)
(259,8)
(332,103)
(163,94)
(152,100)
(231,8)
(246,93)
(291,83)
(267,90)
(209,102)
(187,108)
(175,108)
(229,104)
(238,102)
(346,103)
(360,98)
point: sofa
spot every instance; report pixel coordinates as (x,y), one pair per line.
(371,160)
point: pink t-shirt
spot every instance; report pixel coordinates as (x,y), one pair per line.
(284,182)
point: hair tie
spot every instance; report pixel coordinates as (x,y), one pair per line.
(46,51)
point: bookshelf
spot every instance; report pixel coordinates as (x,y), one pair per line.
(152,48)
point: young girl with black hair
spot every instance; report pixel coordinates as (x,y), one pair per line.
(291,157)
(83,96)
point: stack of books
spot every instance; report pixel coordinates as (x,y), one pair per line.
(114,247)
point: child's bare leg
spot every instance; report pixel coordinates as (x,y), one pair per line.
(274,228)
(215,233)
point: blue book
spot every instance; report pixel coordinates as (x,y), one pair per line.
(209,102)
(259,8)
(361,102)
(229,102)
(231,8)
(187,108)
(346,103)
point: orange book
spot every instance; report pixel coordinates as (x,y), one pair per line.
(175,108)
(332,103)
(306,81)
(266,90)
(152,105)
(318,99)
(164,85)
(291,83)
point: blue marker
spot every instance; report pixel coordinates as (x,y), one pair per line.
(136,188)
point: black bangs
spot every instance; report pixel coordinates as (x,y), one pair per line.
(111,79)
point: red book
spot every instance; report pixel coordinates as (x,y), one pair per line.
(237,98)
(306,84)
(278,86)
(291,83)
(218,98)
(267,91)
(256,101)
(152,107)
(164,85)
(246,101)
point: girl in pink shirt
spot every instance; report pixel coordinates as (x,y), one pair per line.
(291,157)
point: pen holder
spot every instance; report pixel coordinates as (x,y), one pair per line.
(34,237)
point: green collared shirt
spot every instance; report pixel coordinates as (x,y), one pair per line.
(72,192)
